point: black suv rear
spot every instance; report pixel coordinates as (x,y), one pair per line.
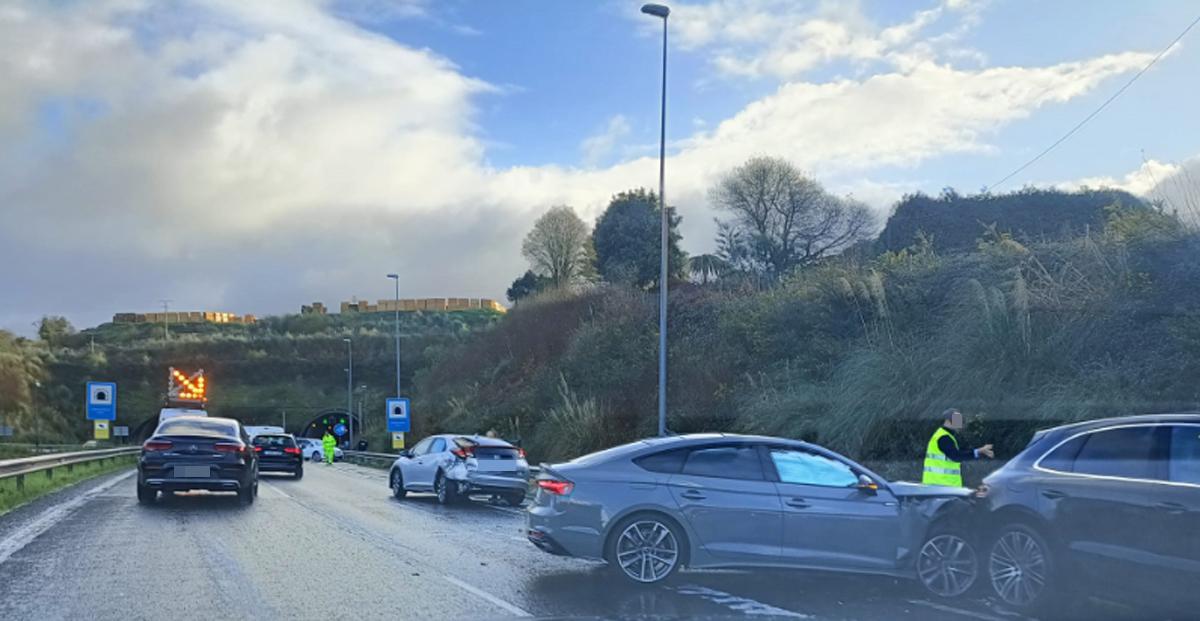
(1108,507)
(278,453)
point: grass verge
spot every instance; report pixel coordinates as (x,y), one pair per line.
(37,484)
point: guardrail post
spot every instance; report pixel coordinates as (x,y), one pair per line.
(20,482)
(49,474)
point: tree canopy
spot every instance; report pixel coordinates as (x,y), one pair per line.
(627,240)
(558,247)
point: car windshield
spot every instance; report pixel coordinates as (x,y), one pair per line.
(836,310)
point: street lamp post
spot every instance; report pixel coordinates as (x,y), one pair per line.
(658,10)
(350,390)
(396,277)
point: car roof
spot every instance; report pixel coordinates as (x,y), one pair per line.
(480,440)
(232,421)
(1181,417)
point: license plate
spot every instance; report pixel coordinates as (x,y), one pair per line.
(190,472)
(273,453)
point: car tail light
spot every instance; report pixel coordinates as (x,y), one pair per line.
(156,445)
(258,449)
(520,453)
(291,450)
(229,447)
(558,488)
(464,452)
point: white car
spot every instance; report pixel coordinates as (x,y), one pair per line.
(314,450)
(456,467)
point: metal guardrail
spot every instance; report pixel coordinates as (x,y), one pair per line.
(25,466)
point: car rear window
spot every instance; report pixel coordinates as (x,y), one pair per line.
(670,462)
(198,427)
(726,462)
(278,441)
(496,452)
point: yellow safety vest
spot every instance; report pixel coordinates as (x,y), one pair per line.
(939,469)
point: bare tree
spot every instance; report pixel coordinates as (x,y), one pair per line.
(559,247)
(783,219)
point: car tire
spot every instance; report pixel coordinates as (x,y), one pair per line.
(514,499)
(299,473)
(632,554)
(316,457)
(146,494)
(246,495)
(1022,572)
(446,490)
(396,483)
(948,563)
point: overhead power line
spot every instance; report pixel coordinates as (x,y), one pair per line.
(1097,110)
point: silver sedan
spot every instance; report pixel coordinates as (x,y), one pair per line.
(716,500)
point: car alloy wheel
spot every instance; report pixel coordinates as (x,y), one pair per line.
(397,485)
(947,565)
(647,551)
(440,488)
(1018,567)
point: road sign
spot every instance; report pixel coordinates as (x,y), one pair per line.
(102,401)
(100,427)
(398,414)
(339,430)
(5,431)
(398,440)
(181,387)
(120,432)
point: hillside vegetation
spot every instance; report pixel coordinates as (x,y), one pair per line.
(860,354)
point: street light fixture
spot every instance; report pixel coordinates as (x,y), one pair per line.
(349,390)
(396,277)
(658,10)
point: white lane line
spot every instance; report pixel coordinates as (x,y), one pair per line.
(957,611)
(506,510)
(487,596)
(279,491)
(44,522)
(741,605)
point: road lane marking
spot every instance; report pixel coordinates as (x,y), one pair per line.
(487,596)
(272,487)
(957,611)
(741,605)
(44,522)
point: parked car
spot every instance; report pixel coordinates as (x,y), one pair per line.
(198,453)
(1112,506)
(278,452)
(314,450)
(717,500)
(455,467)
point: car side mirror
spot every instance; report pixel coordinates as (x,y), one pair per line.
(867,484)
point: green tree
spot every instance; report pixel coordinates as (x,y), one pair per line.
(627,240)
(707,267)
(557,247)
(528,284)
(53,329)
(784,219)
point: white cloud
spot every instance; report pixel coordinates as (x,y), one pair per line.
(269,154)
(599,146)
(1143,181)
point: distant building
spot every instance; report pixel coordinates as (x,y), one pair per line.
(316,308)
(184,317)
(413,304)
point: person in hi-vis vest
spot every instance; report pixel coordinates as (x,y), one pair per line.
(945,452)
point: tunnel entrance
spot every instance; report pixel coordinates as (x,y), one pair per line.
(332,421)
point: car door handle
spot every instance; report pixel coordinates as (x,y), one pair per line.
(692,494)
(1171,507)
(1053,494)
(798,503)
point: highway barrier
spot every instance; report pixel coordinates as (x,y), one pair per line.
(23,467)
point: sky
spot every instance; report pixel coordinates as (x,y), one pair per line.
(251,157)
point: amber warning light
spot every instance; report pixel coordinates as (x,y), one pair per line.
(183,387)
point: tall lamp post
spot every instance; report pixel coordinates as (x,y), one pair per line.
(658,10)
(350,390)
(396,277)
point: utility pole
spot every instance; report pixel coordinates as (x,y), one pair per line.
(658,10)
(350,390)
(166,304)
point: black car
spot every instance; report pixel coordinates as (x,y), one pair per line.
(198,453)
(1107,507)
(278,452)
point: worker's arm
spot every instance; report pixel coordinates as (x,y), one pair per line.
(953,453)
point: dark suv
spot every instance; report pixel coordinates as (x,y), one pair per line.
(278,452)
(1106,507)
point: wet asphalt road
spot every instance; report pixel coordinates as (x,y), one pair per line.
(336,545)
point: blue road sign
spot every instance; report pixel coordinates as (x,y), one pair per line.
(102,401)
(339,430)
(397,414)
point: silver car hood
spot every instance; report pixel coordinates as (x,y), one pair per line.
(904,489)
